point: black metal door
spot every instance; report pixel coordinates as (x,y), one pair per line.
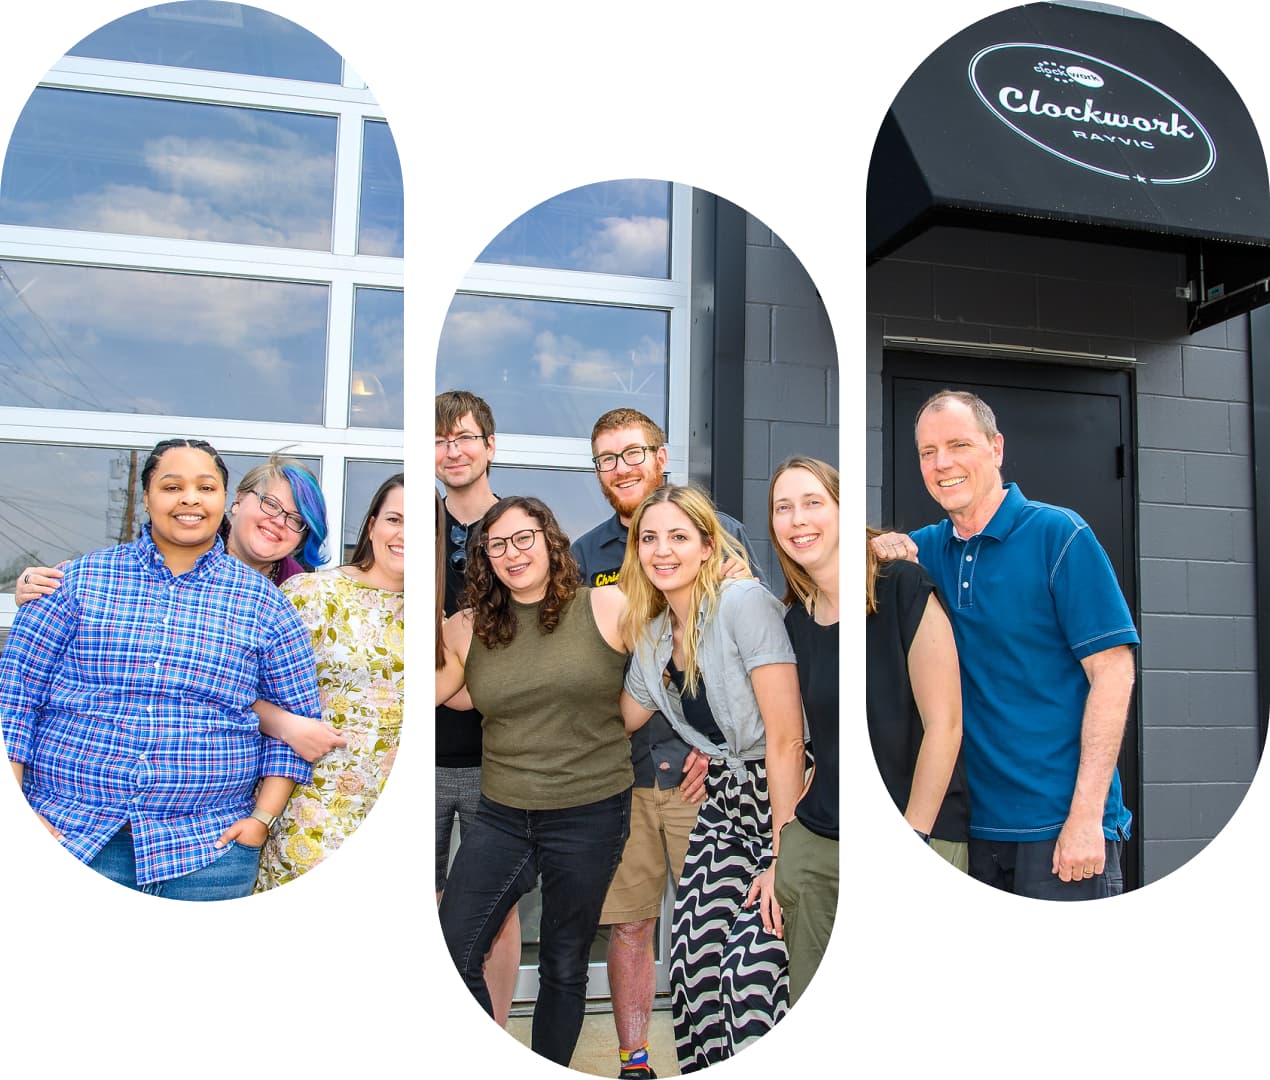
(1068,441)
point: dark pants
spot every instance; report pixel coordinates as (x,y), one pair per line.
(1024,869)
(576,851)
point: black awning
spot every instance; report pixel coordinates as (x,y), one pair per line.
(1054,120)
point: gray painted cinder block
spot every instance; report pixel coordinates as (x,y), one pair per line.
(1240,424)
(1083,307)
(874,328)
(756,233)
(1190,811)
(1215,373)
(1182,424)
(983,296)
(1218,480)
(787,392)
(901,288)
(1243,533)
(1199,755)
(775,276)
(873,506)
(1164,586)
(1185,532)
(1161,476)
(1165,698)
(758,333)
(804,337)
(1222,698)
(1161,857)
(809,439)
(1187,643)
(1221,588)
(1159,369)
(756,452)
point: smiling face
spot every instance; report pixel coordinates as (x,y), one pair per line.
(461,464)
(805,521)
(671,549)
(388,537)
(525,573)
(960,465)
(627,486)
(186,503)
(254,537)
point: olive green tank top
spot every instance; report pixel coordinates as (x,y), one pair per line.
(552,733)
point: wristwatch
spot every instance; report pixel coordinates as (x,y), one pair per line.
(265,816)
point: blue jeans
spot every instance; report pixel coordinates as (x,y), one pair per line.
(232,875)
(576,851)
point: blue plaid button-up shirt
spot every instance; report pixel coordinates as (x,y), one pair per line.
(127,693)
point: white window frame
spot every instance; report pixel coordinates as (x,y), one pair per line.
(341,270)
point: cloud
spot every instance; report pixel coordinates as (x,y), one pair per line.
(477,327)
(626,245)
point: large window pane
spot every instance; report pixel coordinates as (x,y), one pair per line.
(573,494)
(379,225)
(215,37)
(616,227)
(551,368)
(361,481)
(376,386)
(131,341)
(151,167)
(60,502)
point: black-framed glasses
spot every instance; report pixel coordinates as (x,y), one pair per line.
(271,508)
(458,557)
(496,546)
(463,442)
(632,455)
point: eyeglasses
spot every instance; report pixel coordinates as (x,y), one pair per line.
(463,442)
(458,557)
(271,508)
(632,455)
(496,546)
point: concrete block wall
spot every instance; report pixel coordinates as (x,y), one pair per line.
(1198,682)
(791,376)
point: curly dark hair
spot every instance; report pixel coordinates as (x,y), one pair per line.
(493,617)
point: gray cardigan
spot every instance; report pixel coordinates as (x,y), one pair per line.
(747,631)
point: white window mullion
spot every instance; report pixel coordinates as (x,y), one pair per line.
(339,352)
(348,177)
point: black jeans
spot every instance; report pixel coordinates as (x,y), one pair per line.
(576,851)
(1024,869)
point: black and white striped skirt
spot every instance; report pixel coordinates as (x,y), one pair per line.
(728,976)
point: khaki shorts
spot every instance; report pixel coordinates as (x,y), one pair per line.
(660,824)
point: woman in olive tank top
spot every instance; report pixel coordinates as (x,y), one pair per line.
(542,658)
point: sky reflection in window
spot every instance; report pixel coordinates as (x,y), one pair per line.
(376,390)
(74,337)
(150,167)
(615,227)
(550,368)
(215,36)
(379,226)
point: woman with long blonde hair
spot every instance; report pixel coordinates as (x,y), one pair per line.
(712,655)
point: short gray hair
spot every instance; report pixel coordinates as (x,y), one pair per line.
(985,418)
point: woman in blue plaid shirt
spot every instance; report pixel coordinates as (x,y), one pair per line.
(125,696)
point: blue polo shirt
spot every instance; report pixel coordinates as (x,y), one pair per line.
(1029,598)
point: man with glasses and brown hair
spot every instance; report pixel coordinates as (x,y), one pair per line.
(464,451)
(630,463)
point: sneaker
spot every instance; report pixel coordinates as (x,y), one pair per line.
(637,1072)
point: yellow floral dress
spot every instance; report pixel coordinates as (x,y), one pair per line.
(359,641)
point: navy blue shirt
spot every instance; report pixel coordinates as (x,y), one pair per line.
(1029,598)
(657,753)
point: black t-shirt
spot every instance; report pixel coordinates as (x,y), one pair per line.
(696,706)
(895,725)
(816,648)
(458,731)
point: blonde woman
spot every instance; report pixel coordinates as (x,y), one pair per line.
(712,655)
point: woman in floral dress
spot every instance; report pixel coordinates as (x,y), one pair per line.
(356,614)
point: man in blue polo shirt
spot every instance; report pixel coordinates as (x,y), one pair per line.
(1045,641)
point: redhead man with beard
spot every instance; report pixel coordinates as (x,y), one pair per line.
(630,463)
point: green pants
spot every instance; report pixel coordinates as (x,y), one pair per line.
(807,891)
